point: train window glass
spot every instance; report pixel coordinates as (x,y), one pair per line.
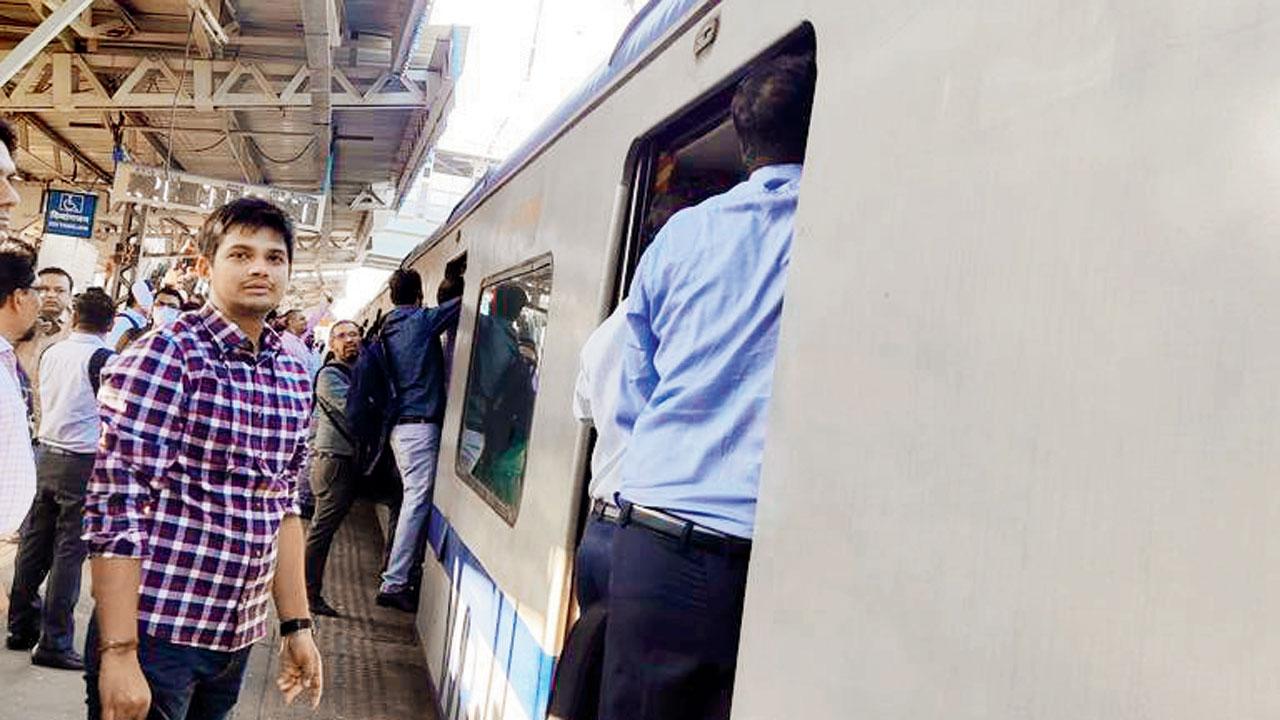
(502,384)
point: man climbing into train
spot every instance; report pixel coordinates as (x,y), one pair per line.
(411,337)
(192,511)
(698,362)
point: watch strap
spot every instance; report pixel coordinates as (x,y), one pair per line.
(289,627)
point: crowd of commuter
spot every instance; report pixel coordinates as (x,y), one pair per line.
(178,440)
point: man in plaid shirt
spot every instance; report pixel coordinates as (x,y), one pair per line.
(192,512)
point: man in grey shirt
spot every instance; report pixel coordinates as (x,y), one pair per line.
(333,474)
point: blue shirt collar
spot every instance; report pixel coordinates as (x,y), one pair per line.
(786,171)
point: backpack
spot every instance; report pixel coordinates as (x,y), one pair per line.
(96,361)
(377,476)
(371,402)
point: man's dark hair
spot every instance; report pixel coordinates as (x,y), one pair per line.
(71,282)
(509,300)
(93,311)
(8,136)
(406,287)
(17,268)
(451,287)
(771,109)
(171,292)
(247,213)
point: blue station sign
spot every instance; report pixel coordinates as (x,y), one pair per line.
(70,213)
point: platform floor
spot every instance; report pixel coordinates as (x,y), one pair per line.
(374,667)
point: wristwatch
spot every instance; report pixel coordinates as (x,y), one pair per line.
(289,627)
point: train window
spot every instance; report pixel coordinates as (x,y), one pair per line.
(502,385)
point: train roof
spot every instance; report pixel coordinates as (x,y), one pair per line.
(649,25)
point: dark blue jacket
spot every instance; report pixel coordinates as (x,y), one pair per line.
(412,337)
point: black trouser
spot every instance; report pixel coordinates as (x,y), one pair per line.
(675,612)
(591,569)
(51,546)
(333,483)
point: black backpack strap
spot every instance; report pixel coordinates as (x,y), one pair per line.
(389,364)
(96,361)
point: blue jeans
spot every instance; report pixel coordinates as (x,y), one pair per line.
(416,447)
(592,566)
(186,683)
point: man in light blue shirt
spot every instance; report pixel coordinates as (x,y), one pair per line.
(703,316)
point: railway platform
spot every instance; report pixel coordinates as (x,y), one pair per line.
(374,667)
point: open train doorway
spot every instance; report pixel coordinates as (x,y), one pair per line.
(692,156)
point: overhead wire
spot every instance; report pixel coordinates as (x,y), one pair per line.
(173,109)
(221,139)
(293,159)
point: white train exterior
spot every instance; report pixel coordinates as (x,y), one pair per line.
(1021,457)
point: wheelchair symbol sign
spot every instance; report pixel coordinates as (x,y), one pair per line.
(70,214)
(74,204)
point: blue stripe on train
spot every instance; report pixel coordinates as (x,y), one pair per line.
(494,620)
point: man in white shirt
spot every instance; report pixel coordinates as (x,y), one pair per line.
(576,687)
(51,546)
(595,402)
(19,309)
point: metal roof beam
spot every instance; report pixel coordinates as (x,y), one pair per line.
(208,21)
(354,67)
(65,145)
(319,18)
(160,146)
(421,137)
(31,45)
(411,25)
(217,85)
(83,26)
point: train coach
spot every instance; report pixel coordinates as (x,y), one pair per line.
(1021,437)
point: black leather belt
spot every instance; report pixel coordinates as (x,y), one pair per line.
(676,528)
(417,420)
(606,511)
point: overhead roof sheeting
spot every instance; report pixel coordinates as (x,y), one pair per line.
(227,89)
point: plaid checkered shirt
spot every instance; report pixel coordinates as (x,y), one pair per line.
(198,464)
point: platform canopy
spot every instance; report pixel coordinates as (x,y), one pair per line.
(339,98)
